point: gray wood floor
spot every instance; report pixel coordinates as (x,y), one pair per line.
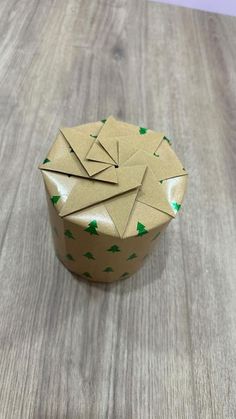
(163,343)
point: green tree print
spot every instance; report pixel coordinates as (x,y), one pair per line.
(69,234)
(124,274)
(142,130)
(176,207)
(108,269)
(55,199)
(87,274)
(132,256)
(92,228)
(69,257)
(89,255)
(114,249)
(141,229)
(46,160)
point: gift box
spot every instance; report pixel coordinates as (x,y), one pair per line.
(111,188)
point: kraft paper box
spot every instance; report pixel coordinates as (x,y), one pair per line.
(111,187)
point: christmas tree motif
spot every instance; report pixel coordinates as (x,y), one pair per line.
(114,249)
(132,256)
(156,235)
(156,155)
(142,130)
(103,121)
(92,228)
(46,160)
(69,257)
(141,229)
(108,269)
(93,136)
(124,274)
(161,181)
(176,207)
(55,199)
(87,274)
(167,139)
(89,255)
(69,234)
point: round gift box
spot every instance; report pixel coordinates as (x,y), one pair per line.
(111,188)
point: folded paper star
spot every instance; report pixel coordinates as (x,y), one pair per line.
(118,167)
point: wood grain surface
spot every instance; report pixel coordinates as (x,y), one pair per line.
(161,344)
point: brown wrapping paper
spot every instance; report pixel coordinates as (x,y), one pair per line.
(111,187)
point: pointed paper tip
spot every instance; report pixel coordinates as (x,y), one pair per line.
(42,166)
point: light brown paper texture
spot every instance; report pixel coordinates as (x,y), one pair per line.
(112,187)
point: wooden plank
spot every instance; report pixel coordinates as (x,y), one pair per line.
(161,344)
(194,81)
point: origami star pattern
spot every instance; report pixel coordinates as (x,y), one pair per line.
(121,165)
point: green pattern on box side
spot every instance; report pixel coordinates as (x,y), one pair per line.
(176,207)
(92,228)
(89,255)
(132,256)
(55,199)
(114,249)
(87,274)
(69,234)
(142,130)
(141,229)
(108,269)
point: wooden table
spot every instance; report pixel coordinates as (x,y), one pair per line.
(163,343)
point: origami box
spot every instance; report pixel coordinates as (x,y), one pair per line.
(112,187)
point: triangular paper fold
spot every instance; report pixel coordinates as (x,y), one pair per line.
(120,208)
(81,145)
(110,145)
(97,153)
(128,143)
(114,128)
(161,168)
(125,151)
(69,164)
(153,194)
(84,194)
(149,142)
(107,175)
(168,165)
